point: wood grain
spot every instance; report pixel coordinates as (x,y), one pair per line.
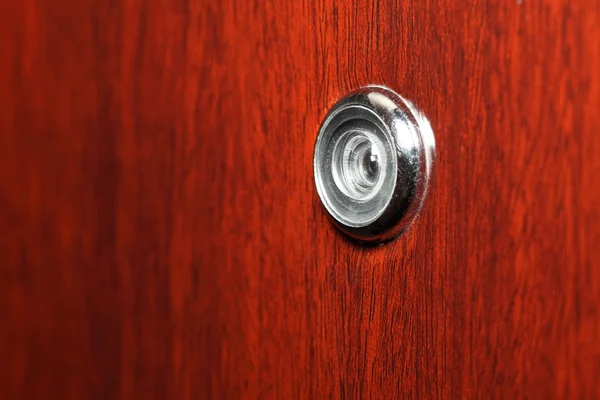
(161,236)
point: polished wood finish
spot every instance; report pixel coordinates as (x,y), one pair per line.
(161,236)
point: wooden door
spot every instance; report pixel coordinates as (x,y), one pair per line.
(161,235)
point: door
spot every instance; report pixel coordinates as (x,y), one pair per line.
(162,237)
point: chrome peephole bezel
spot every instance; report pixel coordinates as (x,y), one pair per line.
(403,141)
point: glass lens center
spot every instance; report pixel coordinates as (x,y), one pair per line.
(358,164)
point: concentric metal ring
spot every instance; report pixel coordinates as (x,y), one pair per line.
(373,162)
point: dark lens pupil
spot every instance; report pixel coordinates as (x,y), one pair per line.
(370,163)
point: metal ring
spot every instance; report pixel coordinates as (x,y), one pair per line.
(373,163)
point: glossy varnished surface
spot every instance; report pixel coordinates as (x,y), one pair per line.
(161,236)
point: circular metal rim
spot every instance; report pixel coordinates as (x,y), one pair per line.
(349,114)
(411,137)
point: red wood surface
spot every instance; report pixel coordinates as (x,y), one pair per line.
(161,236)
